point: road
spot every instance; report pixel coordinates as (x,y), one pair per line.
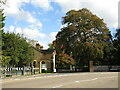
(66,80)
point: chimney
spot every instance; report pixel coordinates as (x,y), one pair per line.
(41,47)
(38,46)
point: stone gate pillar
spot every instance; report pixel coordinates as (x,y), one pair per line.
(91,66)
(54,68)
(40,67)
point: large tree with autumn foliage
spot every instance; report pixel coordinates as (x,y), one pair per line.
(84,36)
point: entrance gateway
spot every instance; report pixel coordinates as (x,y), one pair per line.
(44,67)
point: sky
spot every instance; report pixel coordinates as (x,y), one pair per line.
(41,20)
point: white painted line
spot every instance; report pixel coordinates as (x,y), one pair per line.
(77,81)
(16,79)
(107,77)
(94,79)
(57,86)
(30,78)
(37,77)
(86,80)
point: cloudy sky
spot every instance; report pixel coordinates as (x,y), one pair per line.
(41,19)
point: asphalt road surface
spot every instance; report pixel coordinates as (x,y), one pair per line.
(66,80)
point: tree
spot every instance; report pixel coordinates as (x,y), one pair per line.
(16,50)
(116,43)
(2,18)
(32,42)
(109,55)
(51,46)
(117,35)
(64,60)
(3,2)
(84,35)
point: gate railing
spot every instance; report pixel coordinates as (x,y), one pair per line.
(15,71)
(105,68)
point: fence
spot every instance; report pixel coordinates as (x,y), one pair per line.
(106,68)
(8,72)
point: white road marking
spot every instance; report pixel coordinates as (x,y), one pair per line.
(106,77)
(30,78)
(17,79)
(94,79)
(86,80)
(57,86)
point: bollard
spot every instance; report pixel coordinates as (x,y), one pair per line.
(23,70)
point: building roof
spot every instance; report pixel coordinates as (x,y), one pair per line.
(45,51)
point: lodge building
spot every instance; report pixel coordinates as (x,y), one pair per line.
(44,60)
